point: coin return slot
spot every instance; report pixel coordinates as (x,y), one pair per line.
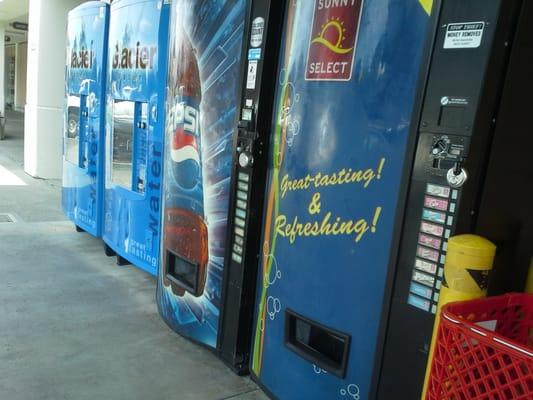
(320,345)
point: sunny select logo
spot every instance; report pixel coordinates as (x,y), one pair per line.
(333,40)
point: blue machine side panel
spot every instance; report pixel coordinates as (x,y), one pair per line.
(345,94)
(204,75)
(137,65)
(85,79)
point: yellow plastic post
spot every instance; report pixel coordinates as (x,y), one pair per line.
(469,261)
(529,283)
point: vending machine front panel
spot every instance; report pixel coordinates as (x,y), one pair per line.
(202,102)
(134,130)
(83,140)
(339,144)
(459,107)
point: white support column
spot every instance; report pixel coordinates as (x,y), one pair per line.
(43,132)
(2,69)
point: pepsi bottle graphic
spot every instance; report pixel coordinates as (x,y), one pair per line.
(186,253)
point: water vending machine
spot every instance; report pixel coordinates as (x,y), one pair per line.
(339,152)
(218,99)
(135,116)
(83,140)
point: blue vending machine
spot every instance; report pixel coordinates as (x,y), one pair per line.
(340,151)
(202,292)
(135,115)
(83,141)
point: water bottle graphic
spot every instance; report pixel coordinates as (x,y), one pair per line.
(186,249)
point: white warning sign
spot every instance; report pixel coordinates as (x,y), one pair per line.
(467,35)
(252,74)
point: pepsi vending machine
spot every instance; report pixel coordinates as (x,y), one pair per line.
(202,293)
(83,141)
(340,150)
(135,116)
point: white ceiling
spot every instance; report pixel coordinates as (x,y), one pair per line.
(12,9)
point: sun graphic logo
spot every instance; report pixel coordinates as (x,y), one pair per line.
(333,40)
(332,35)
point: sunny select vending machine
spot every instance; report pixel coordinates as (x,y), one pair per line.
(83,141)
(340,149)
(202,294)
(135,116)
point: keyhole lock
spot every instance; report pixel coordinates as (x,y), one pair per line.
(457,176)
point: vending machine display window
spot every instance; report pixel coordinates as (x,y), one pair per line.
(72,130)
(121,169)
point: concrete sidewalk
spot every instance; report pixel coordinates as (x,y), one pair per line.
(73,324)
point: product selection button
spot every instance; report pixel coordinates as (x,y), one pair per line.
(244,177)
(429,241)
(428,254)
(243,186)
(242,204)
(432,229)
(240,213)
(437,204)
(419,302)
(421,290)
(424,279)
(240,222)
(434,216)
(236,257)
(436,190)
(242,195)
(426,266)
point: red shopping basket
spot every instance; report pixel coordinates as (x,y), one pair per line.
(484,350)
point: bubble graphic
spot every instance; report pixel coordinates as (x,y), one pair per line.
(275,272)
(352,390)
(273,307)
(318,370)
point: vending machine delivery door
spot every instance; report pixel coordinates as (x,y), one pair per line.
(84,116)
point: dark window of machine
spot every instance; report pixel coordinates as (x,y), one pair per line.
(72,130)
(122,143)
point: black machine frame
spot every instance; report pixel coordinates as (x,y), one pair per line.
(251,142)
